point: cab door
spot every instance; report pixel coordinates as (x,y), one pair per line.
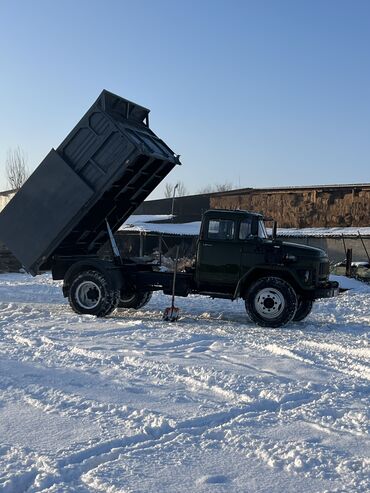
(218,257)
(251,246)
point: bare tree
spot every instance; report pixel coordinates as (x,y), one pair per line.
(168,190)
(179,189)
(223,187)
(16,168)
(218,187)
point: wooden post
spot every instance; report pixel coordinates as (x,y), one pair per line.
(349,262)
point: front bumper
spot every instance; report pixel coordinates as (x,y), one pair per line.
(327,290)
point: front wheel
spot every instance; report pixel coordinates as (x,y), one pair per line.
(93,293)
(303,310)
(271,302)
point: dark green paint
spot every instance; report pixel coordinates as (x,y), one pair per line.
(229,265)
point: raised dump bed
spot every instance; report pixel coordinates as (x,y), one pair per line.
(104,169)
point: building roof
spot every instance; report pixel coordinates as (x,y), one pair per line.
(293,188)
(7,192)
(147,224)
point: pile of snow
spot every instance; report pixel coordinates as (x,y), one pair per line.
(209,403)
(352,284)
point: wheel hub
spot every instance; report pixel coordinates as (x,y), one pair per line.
(88,295)
(269,303)
(127,297)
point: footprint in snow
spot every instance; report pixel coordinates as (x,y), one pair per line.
(217,479)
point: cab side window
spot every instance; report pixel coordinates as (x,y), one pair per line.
(221,229)
(245,230)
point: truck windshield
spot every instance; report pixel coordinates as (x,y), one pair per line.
(262,233)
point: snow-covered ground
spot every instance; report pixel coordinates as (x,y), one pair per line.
(211,403)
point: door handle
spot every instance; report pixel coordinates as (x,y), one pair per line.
(208,244)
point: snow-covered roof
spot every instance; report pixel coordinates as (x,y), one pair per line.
(147,218)
(185,229)
(148,224)
(323,232)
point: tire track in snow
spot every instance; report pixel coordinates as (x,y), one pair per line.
(325,360)
(351,361)
(256,399)
(73,467)
(192,378)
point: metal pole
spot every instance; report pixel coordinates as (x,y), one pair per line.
(363,244)
(344,245)
(174,278)
(173,198)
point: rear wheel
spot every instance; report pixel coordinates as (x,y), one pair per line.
(135,299)
(303,310)
(93,293)
(271,302)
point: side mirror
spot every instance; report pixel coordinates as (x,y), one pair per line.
(274,229)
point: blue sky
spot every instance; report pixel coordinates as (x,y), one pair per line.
(256,93)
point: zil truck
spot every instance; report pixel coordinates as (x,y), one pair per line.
(84,190)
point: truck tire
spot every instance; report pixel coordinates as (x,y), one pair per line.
(303,310)
(135,299)
(271,302)
(93,293)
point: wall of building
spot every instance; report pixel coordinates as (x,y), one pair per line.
(187,209)
(5,197)
(341,206)
(335,247)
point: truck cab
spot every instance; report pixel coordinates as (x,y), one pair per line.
(235,255)
(229,241)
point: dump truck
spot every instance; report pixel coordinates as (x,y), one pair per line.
(85,189)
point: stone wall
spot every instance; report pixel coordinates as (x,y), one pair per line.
(338,206)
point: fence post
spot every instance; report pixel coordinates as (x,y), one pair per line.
(349,262)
